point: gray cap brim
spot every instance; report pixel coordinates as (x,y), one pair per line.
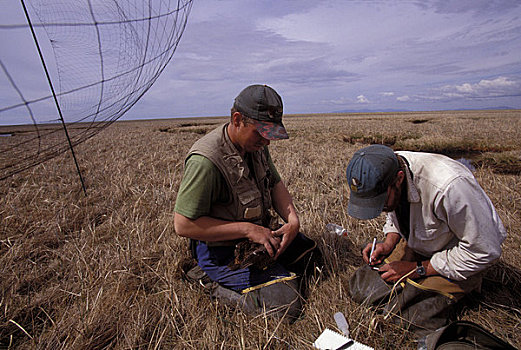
(366,208)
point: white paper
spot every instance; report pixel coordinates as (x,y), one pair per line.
(332,340)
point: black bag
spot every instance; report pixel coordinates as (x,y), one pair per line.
(461,335)
(301,256)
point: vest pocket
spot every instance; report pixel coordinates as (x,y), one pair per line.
(253,213)
(247,194)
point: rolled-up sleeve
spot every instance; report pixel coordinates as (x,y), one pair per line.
(471,217)
(391,224)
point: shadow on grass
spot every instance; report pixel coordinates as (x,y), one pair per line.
(340,253)
(501,288)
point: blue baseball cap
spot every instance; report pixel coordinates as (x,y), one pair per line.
(369,173)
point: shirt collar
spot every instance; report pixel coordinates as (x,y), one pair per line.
(412,192)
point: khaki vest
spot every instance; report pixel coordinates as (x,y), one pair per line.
(250,194)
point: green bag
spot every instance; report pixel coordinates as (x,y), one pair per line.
(461,335)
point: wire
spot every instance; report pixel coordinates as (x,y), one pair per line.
(107,54)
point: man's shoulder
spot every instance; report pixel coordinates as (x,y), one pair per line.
(198,162)
(198,158)
(213,145)
(436,168)
(209,140)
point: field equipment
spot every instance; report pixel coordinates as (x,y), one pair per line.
(99,59)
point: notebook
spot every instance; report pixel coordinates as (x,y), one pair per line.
(332,340)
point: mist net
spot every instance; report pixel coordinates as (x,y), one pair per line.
(101,56)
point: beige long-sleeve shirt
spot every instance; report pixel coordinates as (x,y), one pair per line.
(452,220)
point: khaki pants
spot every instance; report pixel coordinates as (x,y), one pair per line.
(452,289)
(424,305)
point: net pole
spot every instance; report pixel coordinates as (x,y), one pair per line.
(54,95)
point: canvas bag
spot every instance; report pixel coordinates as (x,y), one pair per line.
(424,310)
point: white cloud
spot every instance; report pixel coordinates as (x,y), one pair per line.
(500,86)
(501,82)
(338,102)
(502,90)
(464,88)
(387,93)
(361,99)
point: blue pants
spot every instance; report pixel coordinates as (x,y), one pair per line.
(214,261)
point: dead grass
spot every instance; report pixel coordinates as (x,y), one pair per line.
(193,127)
(105,271)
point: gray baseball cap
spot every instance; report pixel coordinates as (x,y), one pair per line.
(371,170)
(263,104)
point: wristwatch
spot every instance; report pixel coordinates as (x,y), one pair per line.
(420,270)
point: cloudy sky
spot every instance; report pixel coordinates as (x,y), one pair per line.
(325,56)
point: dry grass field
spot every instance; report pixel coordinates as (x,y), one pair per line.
(106,270)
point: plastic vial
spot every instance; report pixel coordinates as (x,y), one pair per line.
(337,229)
(422,345)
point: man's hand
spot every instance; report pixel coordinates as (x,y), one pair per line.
(283,205)
(264,236)
(381,250)
(395,270)
(210,229)
(287,232)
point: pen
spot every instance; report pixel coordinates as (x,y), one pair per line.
(346,345)
(372,250)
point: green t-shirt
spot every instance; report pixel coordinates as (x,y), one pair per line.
(203,184)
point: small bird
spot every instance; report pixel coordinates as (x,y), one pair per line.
(248,253)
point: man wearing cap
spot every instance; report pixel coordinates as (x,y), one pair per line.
(229,193)
(441,232)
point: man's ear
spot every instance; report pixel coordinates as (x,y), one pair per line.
(236,119)
(400,175)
